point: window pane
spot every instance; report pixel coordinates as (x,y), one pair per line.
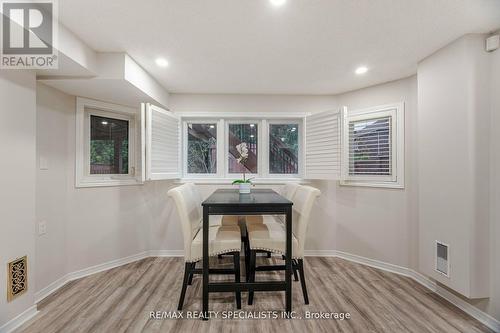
(238,134)
(370,147)
(108,145)
(202,148)
(284,149)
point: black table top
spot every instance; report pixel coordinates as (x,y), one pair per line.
(260,197)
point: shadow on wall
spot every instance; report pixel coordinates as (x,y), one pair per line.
(165,227)
(322,226)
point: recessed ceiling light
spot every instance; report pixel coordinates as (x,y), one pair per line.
(212,126)
(252,125)
(252,136)
(361,70)
(104,122)
(278,3)
(294,129)
(162,62)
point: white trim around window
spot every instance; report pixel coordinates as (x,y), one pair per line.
(85,108)
(395,179)
(263,121)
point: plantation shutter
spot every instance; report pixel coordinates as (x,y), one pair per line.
(322,153)
(162,143)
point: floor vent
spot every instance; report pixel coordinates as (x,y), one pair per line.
(17,279)
(442,259)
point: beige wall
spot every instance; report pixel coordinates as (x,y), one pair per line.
(86,226)
(103,224)
(379,223)
(493,306)
(250,103)
(453,122)
(17,182)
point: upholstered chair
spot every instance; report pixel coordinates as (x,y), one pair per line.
(270,236)
(214,220)
(223,239)
(287,191)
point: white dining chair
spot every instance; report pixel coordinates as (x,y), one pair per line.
(223,239)
(270,236)
(287,191)
(215,220)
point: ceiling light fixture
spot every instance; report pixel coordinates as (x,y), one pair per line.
(252,136)
(294,129)
(277,3)
(212,126)
(104,122)
(361,70)
(162,62)
(252,125)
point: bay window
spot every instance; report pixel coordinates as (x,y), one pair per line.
(243,133)
(210,148)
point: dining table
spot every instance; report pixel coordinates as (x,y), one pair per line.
(257,202)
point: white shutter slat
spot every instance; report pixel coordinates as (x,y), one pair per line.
(322,146)
(162,148)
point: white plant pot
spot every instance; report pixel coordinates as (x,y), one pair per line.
(245,188)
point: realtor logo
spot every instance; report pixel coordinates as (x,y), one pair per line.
(29,34)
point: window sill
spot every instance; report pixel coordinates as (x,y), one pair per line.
(389,185)
(228,181)
(83,183)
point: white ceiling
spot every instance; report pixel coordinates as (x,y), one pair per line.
(249,46)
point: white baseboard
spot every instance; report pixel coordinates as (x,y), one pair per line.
(474,312)
(14,323)
(320,253)
(430,284)
(470,309)
(166,253)
(51,288)
(375,263)
(54,286)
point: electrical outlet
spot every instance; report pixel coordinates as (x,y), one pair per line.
(42,228)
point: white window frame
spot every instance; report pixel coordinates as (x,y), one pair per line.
(220,146)
(230,121)
(82,167)
(396,179)
(263,120)
(300,139)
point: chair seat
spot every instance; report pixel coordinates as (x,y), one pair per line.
(270,235)
(250,219)
(218,220)
(222,239)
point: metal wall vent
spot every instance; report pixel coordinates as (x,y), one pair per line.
(17,278)
(442,258)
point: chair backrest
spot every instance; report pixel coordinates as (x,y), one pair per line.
(303,201)
(187,204)
(197,195)
(288,190)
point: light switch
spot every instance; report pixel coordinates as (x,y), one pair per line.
(44,163)
(42,228)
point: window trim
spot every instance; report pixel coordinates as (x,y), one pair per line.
(396,179)
(229,121)
(300,129)
(184,165)
(263,120)
(83,178)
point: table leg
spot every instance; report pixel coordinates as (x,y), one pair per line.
(205,227)
(288,261)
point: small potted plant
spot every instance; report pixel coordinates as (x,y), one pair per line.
(244,183)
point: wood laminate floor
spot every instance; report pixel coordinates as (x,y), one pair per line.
(121,299)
